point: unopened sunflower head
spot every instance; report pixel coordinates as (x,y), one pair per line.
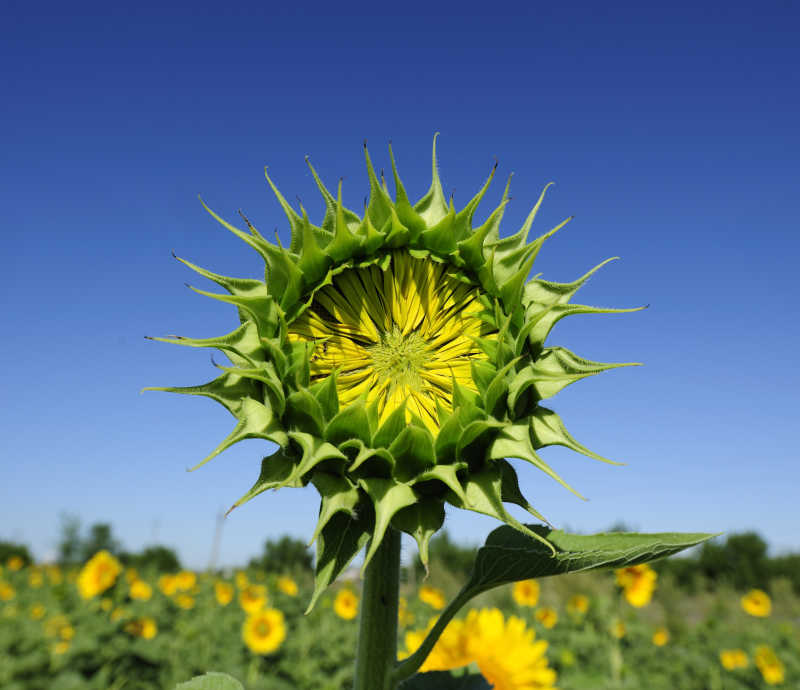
(398,360)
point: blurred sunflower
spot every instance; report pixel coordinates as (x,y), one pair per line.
(578,604)
(223,591)
(140,590)
(264,631)
(757,603)
(99,573)
(526,592)
(660,637)
(145,627)
(15,563)
(638,583)
(546,616)
(432,596)
(253,598)
(732,659)
(287,585)
(7,592)
(771,667)
(449,652)
(506,653)
(345,605)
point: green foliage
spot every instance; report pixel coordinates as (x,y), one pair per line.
(284,555)
(509,556)
(211,681)
(10,548)
(159,558)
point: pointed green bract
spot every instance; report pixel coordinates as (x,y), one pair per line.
(372,471)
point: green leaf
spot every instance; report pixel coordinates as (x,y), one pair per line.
(413,452)
(327,397)
(351,422)
(421,520)
(338,496)
(509,555)
(337,544)
(211,681)
(444,680)
(388,497)
(277,470)
(304,413)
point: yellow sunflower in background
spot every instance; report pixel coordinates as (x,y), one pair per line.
(287,585)
(638,583)
(449,652)
(546,616)
(140,590)
(253,598)
(223,591)
(660,637)
(757,603)
(345,605)
(732,659)
(577,604)
(506,653)
(146,628)
(771,667)
(7,592)
(432,596)
(99,573)
(264,631)
(526,592)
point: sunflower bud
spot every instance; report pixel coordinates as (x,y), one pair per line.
(398,360)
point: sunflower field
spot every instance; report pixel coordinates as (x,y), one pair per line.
(105,626)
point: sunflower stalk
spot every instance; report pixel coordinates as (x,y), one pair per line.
(377,637)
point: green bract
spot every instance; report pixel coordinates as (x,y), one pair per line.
(373,472)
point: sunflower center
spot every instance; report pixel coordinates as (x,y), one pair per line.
(400,359)
(399,334)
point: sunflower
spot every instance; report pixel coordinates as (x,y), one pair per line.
(146,628)
(449,652)
(141,590)
(660,637)
(546,616)
(526,592)
(264,631)
(432,596)
(253,598)
(732,659)
(397,359)
(638,583)
(757,603)
(506,653)
(578,604)
(287,585)
(771,667)
(345,605)
(223,591)
(99,573)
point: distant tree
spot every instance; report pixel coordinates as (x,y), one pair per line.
(787,566)
(741,560)
(70,549)
(99,538)
(9,549)
(159,558)
(284,555)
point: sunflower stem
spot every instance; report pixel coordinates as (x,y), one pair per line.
(377,635)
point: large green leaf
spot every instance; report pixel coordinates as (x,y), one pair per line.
(509,555)
(211,681)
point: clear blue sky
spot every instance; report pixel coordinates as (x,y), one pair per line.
(671,133)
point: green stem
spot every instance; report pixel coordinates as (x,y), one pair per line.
(377,634)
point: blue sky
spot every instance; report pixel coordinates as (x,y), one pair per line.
(671,133)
